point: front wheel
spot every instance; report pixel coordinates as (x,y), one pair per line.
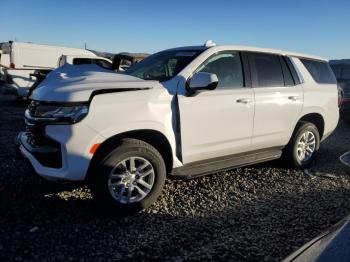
(130,178)
(302,148)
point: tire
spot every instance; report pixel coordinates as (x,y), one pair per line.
(116,198)
(292,153)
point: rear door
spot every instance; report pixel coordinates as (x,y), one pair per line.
(218,122)
(278,99)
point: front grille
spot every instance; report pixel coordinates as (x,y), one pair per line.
(44,149)
(36,131)
(36,135)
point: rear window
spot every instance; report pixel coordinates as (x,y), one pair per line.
(82,61)
(5,47)
(320,71)
(104,64)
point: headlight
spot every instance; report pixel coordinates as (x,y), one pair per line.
(65,114)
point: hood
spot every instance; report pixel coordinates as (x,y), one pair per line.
(77,83)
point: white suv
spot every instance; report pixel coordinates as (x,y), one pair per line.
(181,112)
(85,60)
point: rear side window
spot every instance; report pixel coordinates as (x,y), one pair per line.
(320,71)
(266,70)
(287,74)
(296,78)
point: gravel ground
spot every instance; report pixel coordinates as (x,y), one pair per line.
(260,213)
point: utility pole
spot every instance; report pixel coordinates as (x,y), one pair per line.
(85,45)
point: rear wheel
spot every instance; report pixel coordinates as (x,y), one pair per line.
(130,178)
(301,150)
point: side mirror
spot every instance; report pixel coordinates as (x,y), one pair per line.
(203,81)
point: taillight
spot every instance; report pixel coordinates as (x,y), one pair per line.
(12,65)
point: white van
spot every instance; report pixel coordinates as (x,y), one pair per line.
(4,63)
(40,75)
(25,58)
(1,73)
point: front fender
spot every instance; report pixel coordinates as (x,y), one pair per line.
(116,113)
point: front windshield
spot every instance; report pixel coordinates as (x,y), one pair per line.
(163,65)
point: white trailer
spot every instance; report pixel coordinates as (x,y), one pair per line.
(1,73)
(25,58)
(4,63)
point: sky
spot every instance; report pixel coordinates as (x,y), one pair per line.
(319,27)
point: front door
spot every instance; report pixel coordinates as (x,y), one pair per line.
(218,122)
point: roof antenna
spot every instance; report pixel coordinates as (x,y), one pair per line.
(209,43)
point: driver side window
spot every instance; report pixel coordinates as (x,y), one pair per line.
(228,68)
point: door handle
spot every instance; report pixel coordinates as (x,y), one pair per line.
(244,100)
(293,98)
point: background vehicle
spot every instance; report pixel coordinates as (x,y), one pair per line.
(341,69)
(332,245)
(182,112)
(120,63)
(41,74)
(345,160)
(85,60)
(25,58)
(123,61)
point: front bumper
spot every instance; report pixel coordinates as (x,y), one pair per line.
(64,154)
(47,155)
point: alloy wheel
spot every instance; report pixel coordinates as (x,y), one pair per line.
(131,180)
(306,146)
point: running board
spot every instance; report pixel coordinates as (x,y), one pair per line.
(214,165)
